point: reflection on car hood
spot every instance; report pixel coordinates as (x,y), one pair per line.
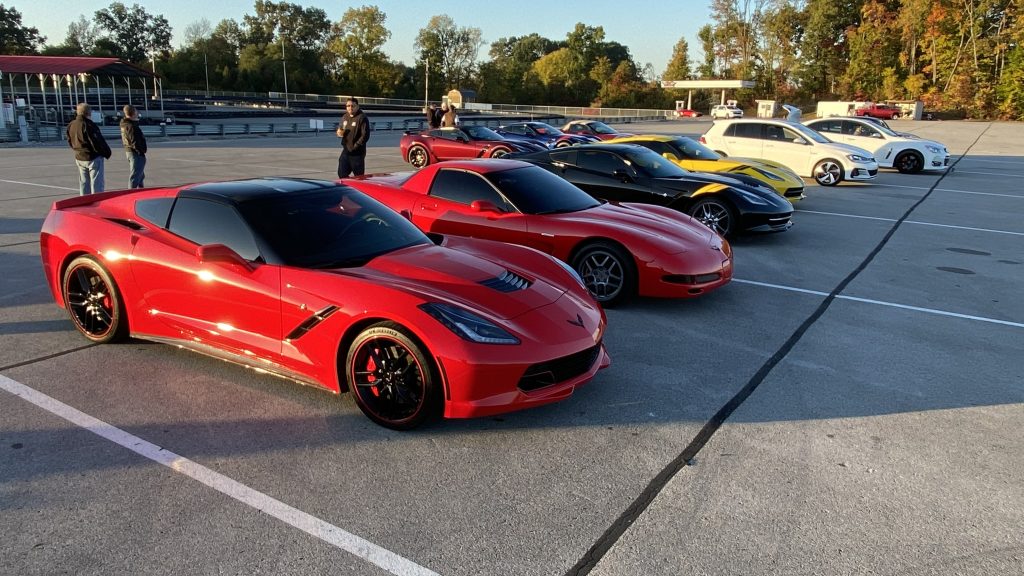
(446,274)
(671,234)
(850,149)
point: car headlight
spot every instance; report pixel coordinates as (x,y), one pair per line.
(859,158)
(750,196)
(768,175)
(467,325)
(933,149)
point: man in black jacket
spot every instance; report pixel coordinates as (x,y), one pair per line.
(90,148)
(134,146)
(354,131)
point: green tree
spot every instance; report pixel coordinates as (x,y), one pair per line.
(16,38)
(707,68)
(502,78)
(282,30)
(134,32)
(451,51)
(679,66)
(874,45)
(824,50)
(355,54)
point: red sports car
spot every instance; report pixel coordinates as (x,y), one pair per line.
(323,285)
(618,249)
(429,146)
(687,113)
(593,128)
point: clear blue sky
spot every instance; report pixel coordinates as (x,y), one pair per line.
(649,28)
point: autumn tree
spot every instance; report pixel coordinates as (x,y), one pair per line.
(679,65)
(16,38)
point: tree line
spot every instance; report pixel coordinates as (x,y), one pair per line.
(963,56)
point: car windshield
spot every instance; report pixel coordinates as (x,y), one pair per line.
(481,133)
(534,190)
(601,128)
(808,133)
(884,129)
(546,129)
(652,163)
(328,228)
(694,150)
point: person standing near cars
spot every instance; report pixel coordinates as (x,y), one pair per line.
(90,148)
(354,131)
(433,116)
(134,146)
(448,119)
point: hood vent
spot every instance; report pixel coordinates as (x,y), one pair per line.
(507,282)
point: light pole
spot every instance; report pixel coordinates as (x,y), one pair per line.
(284,63)
(153,61)
(206,69)
(3,112)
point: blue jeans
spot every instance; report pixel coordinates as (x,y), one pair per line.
(136,168)
(90,176)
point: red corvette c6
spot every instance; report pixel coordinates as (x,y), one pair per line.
(618,249)
(323,285)
(422,148)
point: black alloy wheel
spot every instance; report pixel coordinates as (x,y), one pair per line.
(607,272)
(93,301)
(500,152)
(828,172)
(418,156)
(909,162)
(715,213)
(391,378)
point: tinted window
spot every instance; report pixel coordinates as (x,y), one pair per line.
(694,150)
(515,129)
(864,130)
(155,210)
(206,222)
(537,191)
(449,134)
(599,161)
(833,126)
(328,228)
(653,165)
(564,156)
(465,187)
(746,130)
(481,133)
(657,147)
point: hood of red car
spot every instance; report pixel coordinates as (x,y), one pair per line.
(447,274)
(672,234)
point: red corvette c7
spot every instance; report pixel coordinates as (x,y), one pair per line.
(618,249)
(321,284)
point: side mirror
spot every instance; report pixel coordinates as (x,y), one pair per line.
(622,175)
(222,254)
(407,214)
(483,206)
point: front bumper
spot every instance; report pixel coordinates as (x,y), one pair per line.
(686,275)
(862,171)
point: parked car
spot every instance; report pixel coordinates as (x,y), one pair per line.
(890,148)
(593,128)
(696,157)
(323,285)
(618,249)
(725,111)
(544,134)
(799,148)
(881,111)
(630,173)
(422,148)
(687,113)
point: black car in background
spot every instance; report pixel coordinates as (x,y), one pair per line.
(630,173)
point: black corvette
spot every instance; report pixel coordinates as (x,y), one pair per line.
(630,173)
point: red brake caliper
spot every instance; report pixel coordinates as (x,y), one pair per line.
(371,366)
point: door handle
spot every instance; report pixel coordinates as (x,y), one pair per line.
(425,206)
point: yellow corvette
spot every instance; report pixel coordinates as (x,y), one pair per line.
(696,157)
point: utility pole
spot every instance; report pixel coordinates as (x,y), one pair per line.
(154,75)
(426,82)
(284,63)
(206,69)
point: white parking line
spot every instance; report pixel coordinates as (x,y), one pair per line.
(979,193)
(882,303)
(913,222)
(309,524)
(40,185)
(1004,174)
(968,159)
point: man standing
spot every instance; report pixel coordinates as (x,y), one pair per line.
(134,146)
(433,116)
(90,148)
(354,131)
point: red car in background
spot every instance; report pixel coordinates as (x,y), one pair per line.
(323,285)
(429,146)
(880,111)
(593,128)
(618,249)
(687,113)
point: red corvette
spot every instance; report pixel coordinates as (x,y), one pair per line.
(422,148)
(593,128)
(321,284)
(618,249)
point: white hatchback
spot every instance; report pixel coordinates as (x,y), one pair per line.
(793,145)
(908,154)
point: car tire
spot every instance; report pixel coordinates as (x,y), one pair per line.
(93,301)
(909,162)
(391,378)
(563,144)
(418,156)
(828,172)
(608,272)
(715,213)
(500,152)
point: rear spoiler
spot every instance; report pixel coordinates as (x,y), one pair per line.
(94,198)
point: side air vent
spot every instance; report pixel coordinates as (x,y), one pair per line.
(507,282)
(126,223)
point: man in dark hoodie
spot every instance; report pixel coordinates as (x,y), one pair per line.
(354,131)
(134,146)
(90,148)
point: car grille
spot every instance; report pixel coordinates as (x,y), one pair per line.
(692,279)
(559,370)
(794,192)
(507,282)
(872,172)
